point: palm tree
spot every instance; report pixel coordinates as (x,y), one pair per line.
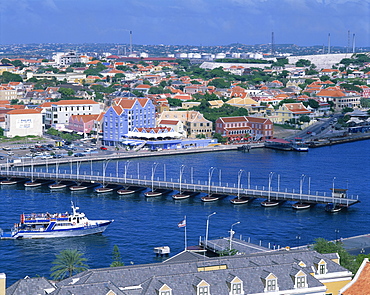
(67,263)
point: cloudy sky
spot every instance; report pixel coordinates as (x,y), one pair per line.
(185,22)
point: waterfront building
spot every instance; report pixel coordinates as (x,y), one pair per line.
(341,99)
(60,112)
(86,124)
(194,122)
(176,125)
(23,122)
(289,111)
(187,273)
(243,126)
(124,115)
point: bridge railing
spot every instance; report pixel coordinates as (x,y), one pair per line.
(206,188)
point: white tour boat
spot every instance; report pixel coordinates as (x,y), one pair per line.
(46,225)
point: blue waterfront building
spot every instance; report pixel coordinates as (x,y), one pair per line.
(124,115)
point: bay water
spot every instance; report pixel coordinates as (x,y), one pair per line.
(140,223)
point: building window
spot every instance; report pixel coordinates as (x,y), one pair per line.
(322,269)
(165,293)
(271,285)
(236,288)
(301,282)
(203,290)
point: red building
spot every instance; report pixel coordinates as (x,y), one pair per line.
(235,128)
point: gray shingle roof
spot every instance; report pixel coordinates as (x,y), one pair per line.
(184,271)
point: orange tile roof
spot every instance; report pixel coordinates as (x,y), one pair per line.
(75,101)
(362,285)
(330,93)
(23,112)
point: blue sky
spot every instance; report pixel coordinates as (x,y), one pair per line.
(185,22)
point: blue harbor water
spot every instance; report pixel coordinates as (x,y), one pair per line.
(141,224)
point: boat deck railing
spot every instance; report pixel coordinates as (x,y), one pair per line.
(205,187)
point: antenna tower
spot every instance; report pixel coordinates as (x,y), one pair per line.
(272,44)
(329,44)
(353,43)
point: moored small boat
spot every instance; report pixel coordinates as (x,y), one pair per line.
(184,195)
(83,186)
(61,185)
(130,190)
(156,193)
(270,203)
(241,200)
(213,197)
(301,205)
(333,208)
(13,181)
(108,188)
(32,184)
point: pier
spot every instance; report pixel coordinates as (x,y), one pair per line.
(207,187)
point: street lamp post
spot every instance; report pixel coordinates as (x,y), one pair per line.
(154,166)
(336,235)
(126,168)
(207,228)
(301,185)
(232,233)
(270,178)
(239,177)
(332,193)
(105,165)
(181,173)
(210,172)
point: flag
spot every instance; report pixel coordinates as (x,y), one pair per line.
(182,223)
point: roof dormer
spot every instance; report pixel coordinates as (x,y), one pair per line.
(201,287)
(299,279)
(164,290)
(270,282)
(235,285)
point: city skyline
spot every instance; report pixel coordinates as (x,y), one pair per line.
(191,22)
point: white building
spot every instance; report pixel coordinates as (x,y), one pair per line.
(61,111)
(23,122)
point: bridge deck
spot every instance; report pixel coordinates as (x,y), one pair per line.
(205,188)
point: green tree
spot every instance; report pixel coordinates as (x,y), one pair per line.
(219,83)
(303,63)
(7,77)
(305,119)
(66,92)
(68,263)
(5,61)
(117,259)
(346,260)
(219,137)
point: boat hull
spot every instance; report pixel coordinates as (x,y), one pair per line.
(75,232)
(212,198)
(270,203)
(301,206)
(32,184)
(57,186)
(240,201)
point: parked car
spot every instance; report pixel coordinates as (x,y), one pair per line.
(6,148)
(2,158)
(57,156)
(10,154)
(103,148)
(79,155)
